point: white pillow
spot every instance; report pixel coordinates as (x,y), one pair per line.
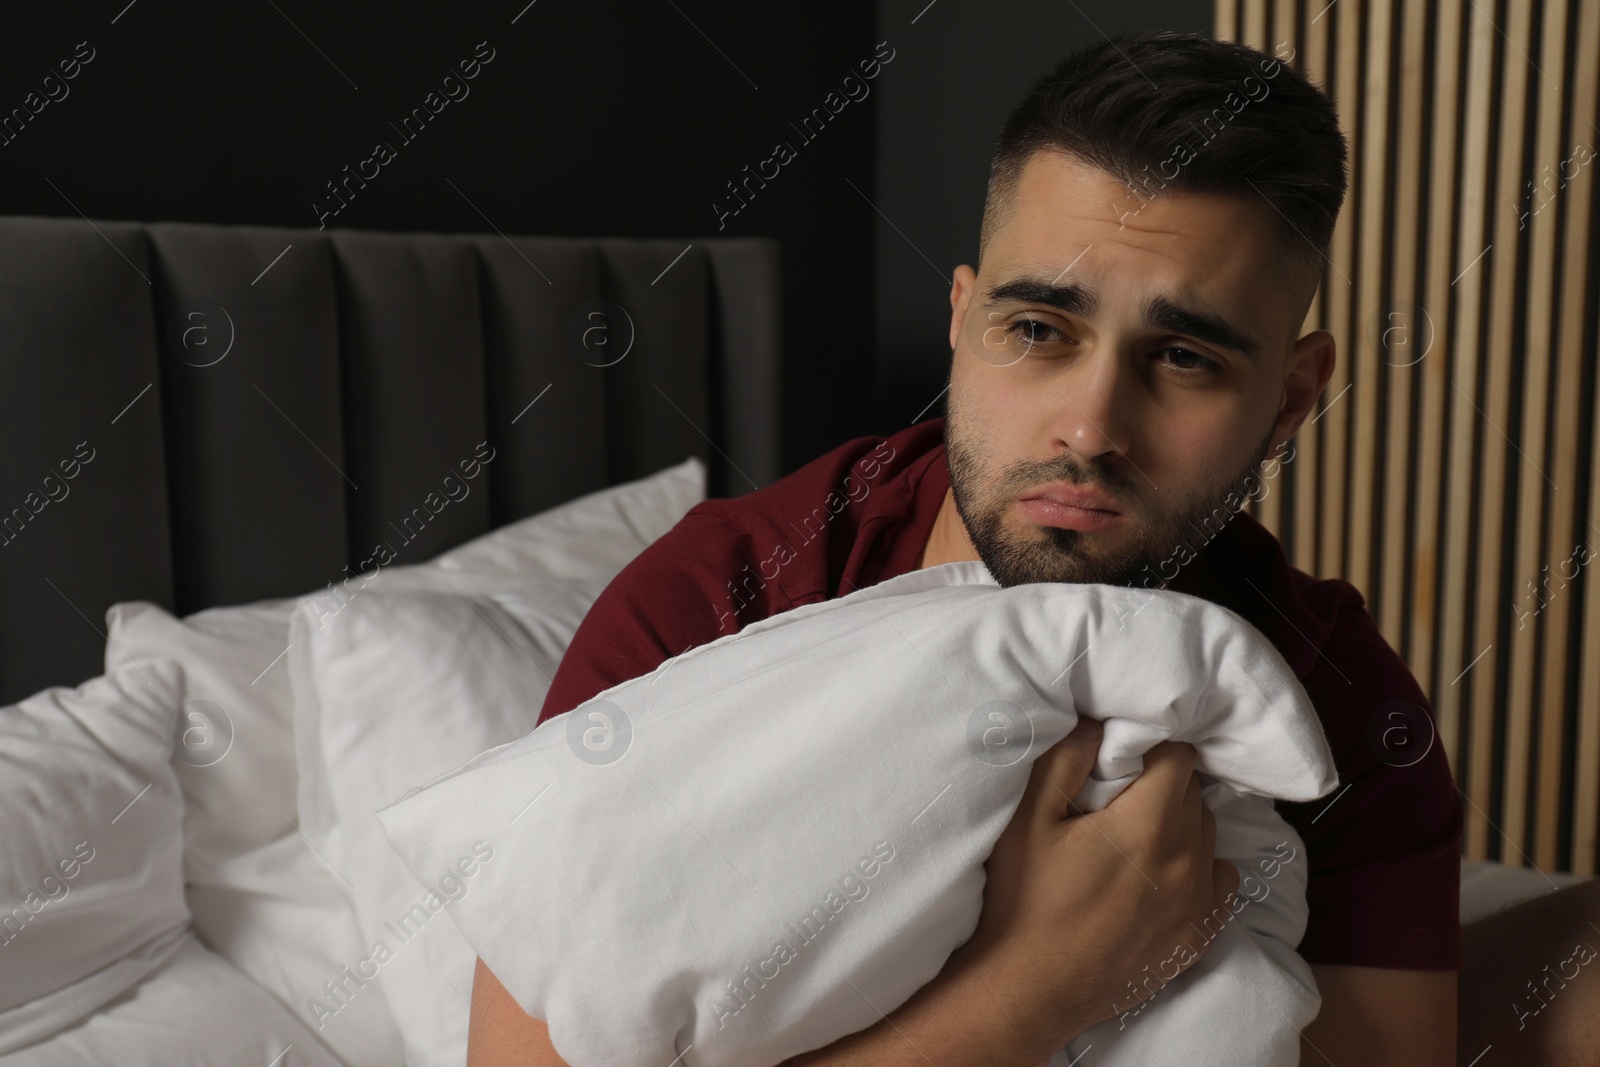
(853,762)
(90,876)
(395,690)
(238,773)
(595,534)
(236,756)
(278,916)
(196,1011)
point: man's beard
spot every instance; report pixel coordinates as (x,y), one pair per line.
(1052,554)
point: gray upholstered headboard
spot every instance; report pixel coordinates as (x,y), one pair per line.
(200,415)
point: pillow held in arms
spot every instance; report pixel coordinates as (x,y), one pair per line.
(775,837)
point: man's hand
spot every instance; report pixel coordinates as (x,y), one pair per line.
(1077,904)
(1074,907)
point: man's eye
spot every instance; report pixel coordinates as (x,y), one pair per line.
(1186,361)
(1031,333)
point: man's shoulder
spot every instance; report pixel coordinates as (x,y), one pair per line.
(1369,702)
(1325,630)
(730,561)
(1392,830)
(841,479)
(1246,570)
(791,537)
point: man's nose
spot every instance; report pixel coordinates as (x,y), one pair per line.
(1094,403)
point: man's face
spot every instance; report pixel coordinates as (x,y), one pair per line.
(1102,366)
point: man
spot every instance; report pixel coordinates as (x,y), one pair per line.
(1126,365)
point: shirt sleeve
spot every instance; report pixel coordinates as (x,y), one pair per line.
(673,596)
(1384,850)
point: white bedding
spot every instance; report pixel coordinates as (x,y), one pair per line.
(395,690)
(804,808)
(167,788)
(195,1010)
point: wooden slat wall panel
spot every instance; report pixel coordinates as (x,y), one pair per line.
(1344,71)
(1371,188)
(1431,337)
(1452,468)
(1495,510)
(1226,20)
(1577,350)
(1535,487)
(1396,330)
(1303,481)
(1461,406)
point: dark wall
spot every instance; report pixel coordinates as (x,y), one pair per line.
(606,118)
(960,69)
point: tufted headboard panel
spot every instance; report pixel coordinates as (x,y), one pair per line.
(200,415)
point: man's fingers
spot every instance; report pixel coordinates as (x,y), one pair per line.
(1160,795)
(1060,772)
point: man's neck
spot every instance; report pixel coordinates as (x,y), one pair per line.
(947,541)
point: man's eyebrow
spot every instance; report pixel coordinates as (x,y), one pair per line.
(1159,312)
(1209,327)
(1072,298)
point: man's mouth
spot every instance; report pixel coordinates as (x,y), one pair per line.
(1069,507)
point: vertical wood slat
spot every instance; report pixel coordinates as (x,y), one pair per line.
(1253,25)
(1587,816)
(1470,274)
(1576,284)
(1434,371)
(1371,188)
(1226,20)
(1284,31)
(1534,482)
(1395,328)
(1344,86)
(1442,487)
(1517,31)
(1313,63)
(1286,26)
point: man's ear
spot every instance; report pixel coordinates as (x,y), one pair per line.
(961,286)
(1311,363)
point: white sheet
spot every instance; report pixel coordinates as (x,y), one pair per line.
(836,765)
(196,1010)
(91,888)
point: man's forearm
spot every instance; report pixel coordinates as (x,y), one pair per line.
(960,1019)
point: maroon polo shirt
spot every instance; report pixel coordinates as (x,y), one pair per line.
(1383,850)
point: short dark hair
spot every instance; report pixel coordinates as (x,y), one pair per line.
(1130,105)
